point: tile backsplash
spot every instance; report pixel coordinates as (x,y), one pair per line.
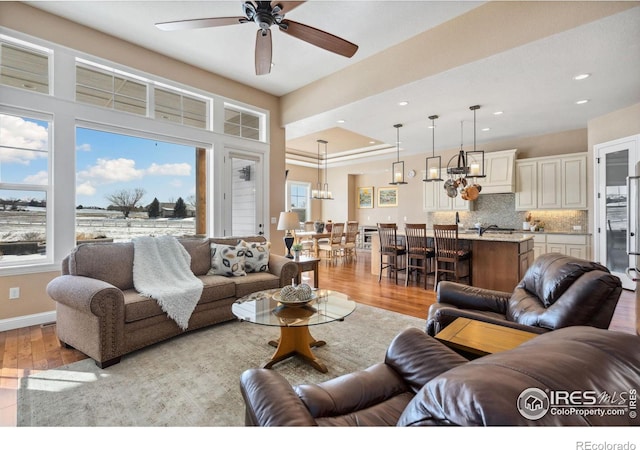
(499,209)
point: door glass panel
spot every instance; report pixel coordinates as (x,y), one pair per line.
(244,202)
(617,170)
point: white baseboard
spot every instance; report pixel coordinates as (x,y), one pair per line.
(27,321)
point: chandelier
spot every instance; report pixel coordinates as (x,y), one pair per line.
(468,165)
(322,192)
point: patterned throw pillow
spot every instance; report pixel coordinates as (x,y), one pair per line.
(227,260)
(256,256)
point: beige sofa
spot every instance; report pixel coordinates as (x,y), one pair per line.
(101,314)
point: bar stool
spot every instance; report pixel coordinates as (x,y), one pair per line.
(450,258)
(390,248)
(420,257)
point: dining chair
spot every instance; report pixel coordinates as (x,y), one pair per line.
(420,257)
(307,242)
(390,248)
(450,258)
(333,247)
(349,242)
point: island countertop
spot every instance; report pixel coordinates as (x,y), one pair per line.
(498,260)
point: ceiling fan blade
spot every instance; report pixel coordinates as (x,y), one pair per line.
(319,38)
(200,23)
(286,6)
(263,52)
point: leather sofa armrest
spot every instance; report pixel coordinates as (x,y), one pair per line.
(86,294)
(441,315)
(470,297)
(282,267)
(270,400)
(351,392)
(417,357)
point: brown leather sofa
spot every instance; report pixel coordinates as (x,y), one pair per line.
(422,382)
(557,291)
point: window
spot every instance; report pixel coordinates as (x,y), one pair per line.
(176,107)
(242,123)
(298,199)
(24,189)
(24,66)
(128,186)
(110,89)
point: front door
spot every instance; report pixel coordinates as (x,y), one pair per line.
(243,199)
(616,162)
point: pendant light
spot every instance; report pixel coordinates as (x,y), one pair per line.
(397,168)
(322,192)
(433,163)
(475,158)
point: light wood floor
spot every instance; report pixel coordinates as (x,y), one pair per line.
(28,350)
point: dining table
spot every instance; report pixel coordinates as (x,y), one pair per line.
(314,236)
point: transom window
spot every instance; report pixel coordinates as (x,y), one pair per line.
(110,90)
(238,122)
(180,108)
(24,67)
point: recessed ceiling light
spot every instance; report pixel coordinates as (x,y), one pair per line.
(582,102)
(497,113)
(486,129)
(372,142)
(404,103)
(340,121)
(582,76)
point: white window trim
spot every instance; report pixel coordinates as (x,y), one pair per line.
(67,114)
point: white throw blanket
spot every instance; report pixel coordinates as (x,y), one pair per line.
(161,270)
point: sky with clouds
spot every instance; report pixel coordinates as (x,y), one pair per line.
(105,162)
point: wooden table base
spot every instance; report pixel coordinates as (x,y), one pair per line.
(296,341)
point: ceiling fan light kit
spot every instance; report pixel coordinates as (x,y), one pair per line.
(267,14)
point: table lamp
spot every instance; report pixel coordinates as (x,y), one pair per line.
(288,221)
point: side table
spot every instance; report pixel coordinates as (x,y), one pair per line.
(481,338)
(307,264)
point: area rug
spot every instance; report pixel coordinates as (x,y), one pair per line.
(193,379)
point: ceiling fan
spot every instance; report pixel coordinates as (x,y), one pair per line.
(266,14)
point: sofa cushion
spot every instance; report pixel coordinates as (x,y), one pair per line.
(200,253)
(137,307)
(256,256)
(111,262)
(254,282)
(227,260)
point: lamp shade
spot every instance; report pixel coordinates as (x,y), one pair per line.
(288,221)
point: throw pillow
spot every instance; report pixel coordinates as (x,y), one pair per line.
(256,256)
(227,260)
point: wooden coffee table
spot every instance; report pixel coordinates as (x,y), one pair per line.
(481,338)
(294,321)
(307,264)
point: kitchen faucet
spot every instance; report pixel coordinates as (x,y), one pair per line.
(482,230)
(457,218)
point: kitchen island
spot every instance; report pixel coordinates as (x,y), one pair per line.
(498,261)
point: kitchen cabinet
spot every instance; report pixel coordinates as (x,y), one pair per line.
(500,171)
(576,245)
(435,198)
(557,182)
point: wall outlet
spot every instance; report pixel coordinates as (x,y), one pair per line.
(14,293)
(577,228)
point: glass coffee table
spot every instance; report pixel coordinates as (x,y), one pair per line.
(294,321)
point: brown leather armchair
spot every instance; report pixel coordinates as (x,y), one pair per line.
(423,382)
(557,291)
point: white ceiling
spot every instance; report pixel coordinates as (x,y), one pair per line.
(531,83)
